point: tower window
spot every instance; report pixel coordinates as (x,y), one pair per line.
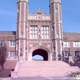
(25,27)
(21,34)
(52,28)
(56,10)
(57,35)
(26,48)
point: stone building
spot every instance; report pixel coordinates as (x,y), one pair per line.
(41,34)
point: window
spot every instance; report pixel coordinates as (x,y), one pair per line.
(56,10)
(66,53)
(76,44)
(45,32)
(25,27)
(33,32)
(66,44)
(57,35)
(77,53)
(21,34)
(12,43)
(2,43)
(12,54)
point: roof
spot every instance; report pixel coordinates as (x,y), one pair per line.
(7,33)
(65,34)
(71,34)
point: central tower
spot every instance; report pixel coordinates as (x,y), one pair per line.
(39,33)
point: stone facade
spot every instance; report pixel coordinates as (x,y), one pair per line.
(40,34)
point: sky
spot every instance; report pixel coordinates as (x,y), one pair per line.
(70,13)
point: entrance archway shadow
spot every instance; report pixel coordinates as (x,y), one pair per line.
(42,53)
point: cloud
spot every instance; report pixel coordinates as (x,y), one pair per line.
(6,12)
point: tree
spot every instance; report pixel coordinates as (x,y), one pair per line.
(3,50)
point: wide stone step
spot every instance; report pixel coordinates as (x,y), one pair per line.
(45,68)
(43,64)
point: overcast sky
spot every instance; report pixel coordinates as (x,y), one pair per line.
(70,13)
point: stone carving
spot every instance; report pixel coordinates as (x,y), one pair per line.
(31,45)
(49,45)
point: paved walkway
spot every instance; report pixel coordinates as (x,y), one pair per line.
(41,78)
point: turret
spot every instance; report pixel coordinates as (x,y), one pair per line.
(22,23)
(56,25)
(23,0)
(53,1)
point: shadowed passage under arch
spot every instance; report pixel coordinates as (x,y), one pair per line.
(42,53)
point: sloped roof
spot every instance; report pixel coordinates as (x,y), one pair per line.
(71,34)
(7,33)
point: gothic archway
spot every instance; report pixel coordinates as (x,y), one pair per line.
(42,53)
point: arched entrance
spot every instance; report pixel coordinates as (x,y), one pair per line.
(42,53)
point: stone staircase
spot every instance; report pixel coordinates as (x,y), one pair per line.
(44,68)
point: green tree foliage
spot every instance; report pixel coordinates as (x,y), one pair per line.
(3,50)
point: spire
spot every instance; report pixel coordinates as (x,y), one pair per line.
(52,1)
(23,0)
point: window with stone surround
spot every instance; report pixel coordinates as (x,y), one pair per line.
(57,35)
(21,34)
(66,44)
(33,32)
(76,44)
(12,43)
(56,10)
(45,32)
(12,53)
